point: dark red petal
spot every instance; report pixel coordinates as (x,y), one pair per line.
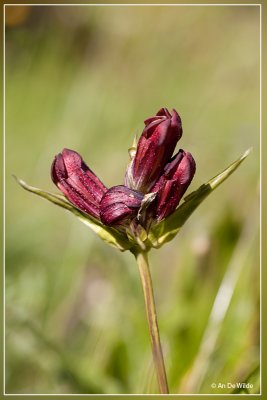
(119,205)
(153,119)
(187,169)
(77,198)
(171,168)
(164,112)
(159,125)
(168,199)
(81,175)
(87,183)
(176,123)
(172,185)
(78,183)
(58,170)
(72,160)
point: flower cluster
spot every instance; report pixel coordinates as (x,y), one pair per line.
(155,179)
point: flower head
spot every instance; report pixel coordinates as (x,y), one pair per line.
(144,212)
(154,183)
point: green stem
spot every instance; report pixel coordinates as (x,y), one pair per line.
(142,261)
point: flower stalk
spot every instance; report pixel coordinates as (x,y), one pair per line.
(142,261)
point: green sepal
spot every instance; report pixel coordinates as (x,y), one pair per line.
(165,230)
(109,235)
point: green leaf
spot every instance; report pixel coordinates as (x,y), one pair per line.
(111,236)
(165,230)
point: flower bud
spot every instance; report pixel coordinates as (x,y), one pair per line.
(119,205)
(155,148)
(77,182)
(172,185)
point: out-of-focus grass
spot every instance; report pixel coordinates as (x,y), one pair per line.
(86,78)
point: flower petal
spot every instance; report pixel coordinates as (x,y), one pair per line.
(119,205)
(78,183)
(172,185)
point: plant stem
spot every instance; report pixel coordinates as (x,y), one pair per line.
(142,261)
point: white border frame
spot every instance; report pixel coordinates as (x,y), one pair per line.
(4,174)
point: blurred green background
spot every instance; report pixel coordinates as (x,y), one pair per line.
(85,78)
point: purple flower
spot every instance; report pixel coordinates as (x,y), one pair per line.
(154,150)
(120,205)
(154,183)
(171,186)
(78,183)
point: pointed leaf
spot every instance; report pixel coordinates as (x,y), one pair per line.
(109,235)
(170,226)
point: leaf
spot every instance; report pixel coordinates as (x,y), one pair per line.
(109,235)
(165,230)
